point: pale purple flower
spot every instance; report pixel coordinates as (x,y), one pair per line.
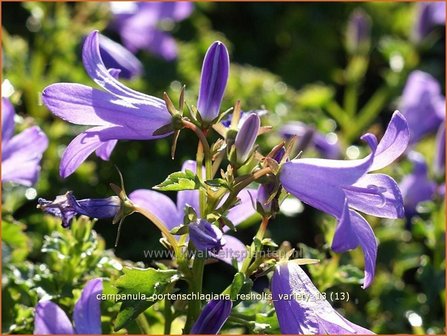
(343,187)
(302,309)
(22,153)
(358,32)
(212,318)
(171,214)
(422,104)
(118,113)
(138,24)
(429,15)
(213,80)
(50,319)
(205,236)
(325,145)
(246,137)
(67,206)
(416,187)
(115,56)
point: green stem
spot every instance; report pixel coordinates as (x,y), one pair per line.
(259,236)
(162,228)
(168,317)
(143,324)
(351,98)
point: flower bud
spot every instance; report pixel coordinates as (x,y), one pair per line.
(205,236)
(246,138)
(213,317)
(358,33)
(67,206)
(213,81)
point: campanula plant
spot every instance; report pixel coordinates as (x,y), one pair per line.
(271,216)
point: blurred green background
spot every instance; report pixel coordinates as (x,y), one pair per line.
(287,58)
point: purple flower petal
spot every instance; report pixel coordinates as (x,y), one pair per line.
(21,156)
(429,14)
(96,69)
(213,80)
(83,105)
(105,150)
(87,311)
(79,150)
(344,236)
(296,315)
(233,249)
(95,207)
(213,317)
(393,143)
(160,205)
(116,56)
(246,137)
(377,195)
(50,319)
(7,120)
(318,182)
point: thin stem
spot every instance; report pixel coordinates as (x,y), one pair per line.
(350,99)
(259,235)
(162,228)
(168,317)
(143,324)
(199,133)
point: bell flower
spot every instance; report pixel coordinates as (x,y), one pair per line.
(118,113)
(138,24)
(416,187)
(50,319)
(21,153)
(302,309)
(205,236)
(429,14)
(67,206)
(213,80)
(343,187)
(212,318)
(358,32)
(422,104)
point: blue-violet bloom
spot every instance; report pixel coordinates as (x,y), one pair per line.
(301,309)
(22,153)
(246,137)
(119,113)
(422,104)
(50,319)
(212,318)
(205,236)
(67,206)
(340,187)
(115,56)
(213,80)
(139,25)
(429,14)
(416,187)
(358,32)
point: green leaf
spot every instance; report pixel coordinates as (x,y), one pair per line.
(177,181)
(141,283)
